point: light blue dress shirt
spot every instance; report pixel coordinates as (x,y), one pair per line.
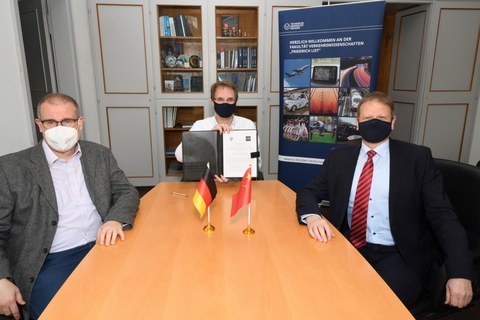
(378,224)
(78,219)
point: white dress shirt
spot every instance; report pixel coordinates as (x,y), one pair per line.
(78,220)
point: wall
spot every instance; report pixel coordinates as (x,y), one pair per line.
(15,114)
(16,119)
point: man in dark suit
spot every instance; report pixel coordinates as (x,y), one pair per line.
(404,204)
(56,200)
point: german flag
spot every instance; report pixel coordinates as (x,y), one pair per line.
(206,192)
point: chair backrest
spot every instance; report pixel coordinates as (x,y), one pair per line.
(462,184)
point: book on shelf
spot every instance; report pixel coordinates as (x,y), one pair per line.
(229,157)
(254,57)
(186,84)
(169,117)
(170,152)
(188,33)
(246,61)
(161,25)
(179,25)
(196,83)
(240,57)
(250,85)
(244,81)
(172,27)
(164,26)
(186,124)
(182,25)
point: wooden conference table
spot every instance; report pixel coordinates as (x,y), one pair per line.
(169,268)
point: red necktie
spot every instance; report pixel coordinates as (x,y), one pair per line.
(358,230)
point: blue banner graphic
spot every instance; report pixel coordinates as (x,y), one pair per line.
(329,58)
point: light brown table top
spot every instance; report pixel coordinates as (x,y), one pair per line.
(169,268)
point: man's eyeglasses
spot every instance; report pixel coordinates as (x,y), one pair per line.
(49,123)
(222,100)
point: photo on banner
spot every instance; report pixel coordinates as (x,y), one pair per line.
(329,57)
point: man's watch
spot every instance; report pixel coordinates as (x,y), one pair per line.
(126,226)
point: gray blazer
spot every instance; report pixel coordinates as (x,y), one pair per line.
(28,207)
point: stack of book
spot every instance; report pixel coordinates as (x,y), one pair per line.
(179,26)
(244,81)
(241,57)
(169,117)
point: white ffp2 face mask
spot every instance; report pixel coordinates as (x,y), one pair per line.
(61,138)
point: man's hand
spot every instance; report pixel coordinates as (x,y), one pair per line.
(222,127)
(459,292)
(319,228)
(108,232)
(9,297)
(220,179)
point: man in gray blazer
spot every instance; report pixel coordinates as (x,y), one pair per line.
(57,199)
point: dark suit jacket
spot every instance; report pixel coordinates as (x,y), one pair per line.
(28,207)
(418,206)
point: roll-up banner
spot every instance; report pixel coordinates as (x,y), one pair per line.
(329,58)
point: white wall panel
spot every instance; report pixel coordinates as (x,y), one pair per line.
(455,50)
(124,62)
(409,51)
(444,130)
(130,140)
(16,117)
(404,123)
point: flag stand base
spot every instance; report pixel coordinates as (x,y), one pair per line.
(248,231)
(209,228)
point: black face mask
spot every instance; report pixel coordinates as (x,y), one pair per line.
(225,110)
(374,130)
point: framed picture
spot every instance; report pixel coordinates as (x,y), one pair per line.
(178,83)
(229,26)
(169,85)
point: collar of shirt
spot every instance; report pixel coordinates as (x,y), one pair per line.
(232,124)
(381,150)
(52,157)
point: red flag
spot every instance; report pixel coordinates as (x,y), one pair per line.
(206,192)
(243,196)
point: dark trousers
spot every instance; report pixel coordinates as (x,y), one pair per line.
(57,268)
(393,269)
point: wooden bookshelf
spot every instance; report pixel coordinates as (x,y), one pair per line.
(236,30)
(180,47)
(176,120)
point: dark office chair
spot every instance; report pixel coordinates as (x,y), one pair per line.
(462,184)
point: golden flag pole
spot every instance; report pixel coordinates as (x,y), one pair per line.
(209,228)
(248,231)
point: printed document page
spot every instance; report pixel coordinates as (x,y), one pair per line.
(238,146)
